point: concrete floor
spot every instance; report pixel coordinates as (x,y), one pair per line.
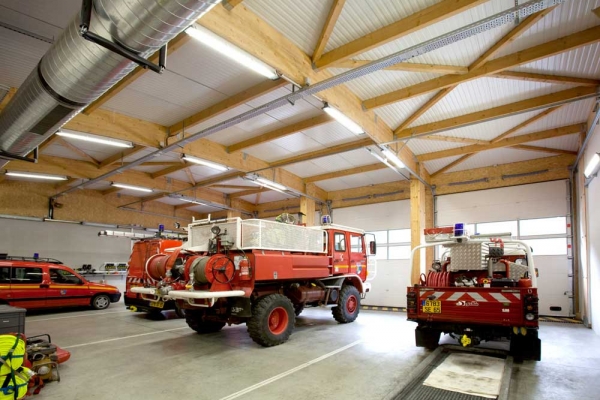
(120,355)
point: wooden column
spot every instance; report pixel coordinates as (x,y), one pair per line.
(417,224)
(307,207)
(234,213)
(429,223)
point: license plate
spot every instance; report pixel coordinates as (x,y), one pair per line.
(432,307)
(157,304)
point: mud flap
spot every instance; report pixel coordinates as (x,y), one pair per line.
(527,347)
(427,337)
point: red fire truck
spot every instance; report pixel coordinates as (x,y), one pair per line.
(261,273)
(482,289)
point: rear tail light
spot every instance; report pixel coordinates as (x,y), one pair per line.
(531,308)
(411,303)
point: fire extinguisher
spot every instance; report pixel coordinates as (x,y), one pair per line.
(245,270)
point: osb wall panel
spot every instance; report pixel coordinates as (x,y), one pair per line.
(31,199)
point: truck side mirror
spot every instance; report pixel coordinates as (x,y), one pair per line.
(372,247)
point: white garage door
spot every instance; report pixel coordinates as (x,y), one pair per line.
(537,213)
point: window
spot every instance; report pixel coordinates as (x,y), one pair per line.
(399,236)
(27,275)
(543,226)
(380,237)
(498,227)
(399,253)
(356,244)
(340,242)
(62,276)
(5,275)
(548,247)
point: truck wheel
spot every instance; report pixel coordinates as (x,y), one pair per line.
(100,302)
(196,321)
(348,305)
(427,337)
(272,320)
(179,311)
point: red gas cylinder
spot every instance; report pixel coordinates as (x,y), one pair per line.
(245,270)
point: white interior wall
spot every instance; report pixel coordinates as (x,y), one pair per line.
(593,231)
(393,276)
(539,200)
(72,244)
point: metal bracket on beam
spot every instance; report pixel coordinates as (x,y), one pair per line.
(13,157)
(86,17)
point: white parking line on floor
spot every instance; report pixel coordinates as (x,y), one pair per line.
(123,338)
(91,314)
(289,372)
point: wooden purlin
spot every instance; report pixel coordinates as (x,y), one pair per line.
(332,17)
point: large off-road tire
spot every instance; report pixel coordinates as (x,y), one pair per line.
(348,305)
(272,320)
(100,302)
(527,347)
(196,321)
(179,311)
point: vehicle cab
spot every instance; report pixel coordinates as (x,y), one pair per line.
(35,283)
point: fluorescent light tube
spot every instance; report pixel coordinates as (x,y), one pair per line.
(209,164)
(271,184)
(222,46)
(94,139)
(192,201)
(342,119)
(34,175)
(392,157)
(131,187)
(592,165)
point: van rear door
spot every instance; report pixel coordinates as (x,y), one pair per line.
(27,288)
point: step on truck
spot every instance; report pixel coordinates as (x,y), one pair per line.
(480,289)
(261,273)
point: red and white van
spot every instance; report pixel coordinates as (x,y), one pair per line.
(34,283)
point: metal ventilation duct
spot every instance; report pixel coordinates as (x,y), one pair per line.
(75,71)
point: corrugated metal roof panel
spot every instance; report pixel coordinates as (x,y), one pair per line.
(301,22)
(149,168)
(199,172)
(305,169)
(357,158)
(45,18)
(484,93)
(583,62)
(57,150)
(298,143)
(421,146)
(19,55)
(179,175)
(569,142)
(568,114)
(498,156)
(268,152)
(334,162)
(435,165)
(381,82)
(330,134)
(373,178)
(333,184)
(267,197)
(396,113)
(568,18)
(171,201)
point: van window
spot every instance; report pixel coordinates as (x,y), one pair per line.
(356,244)
(62,276)
(5,275)
(26,275)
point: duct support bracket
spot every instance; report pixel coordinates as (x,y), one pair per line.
(14,157)
(86,17)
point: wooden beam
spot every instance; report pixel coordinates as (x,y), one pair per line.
(281,132)
(76,150)
(176,43)
(371,194)
(190,176)
(518,107)
(508,142)
(417,224)
(248,192)
(169,170)
(231,4)
(547,78)
(510,37)
(120,156)
(111,191)
(442,138)
(543,149)
(519,173)
(452,164)
(419,20)
(229,103)
(531,54)
(7,97)
(345,172)
(249,32)
(596,11)
(241,187)
(409,67)
(340,148)
(334,13)
(424,108)
(525,123)
(307,207)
